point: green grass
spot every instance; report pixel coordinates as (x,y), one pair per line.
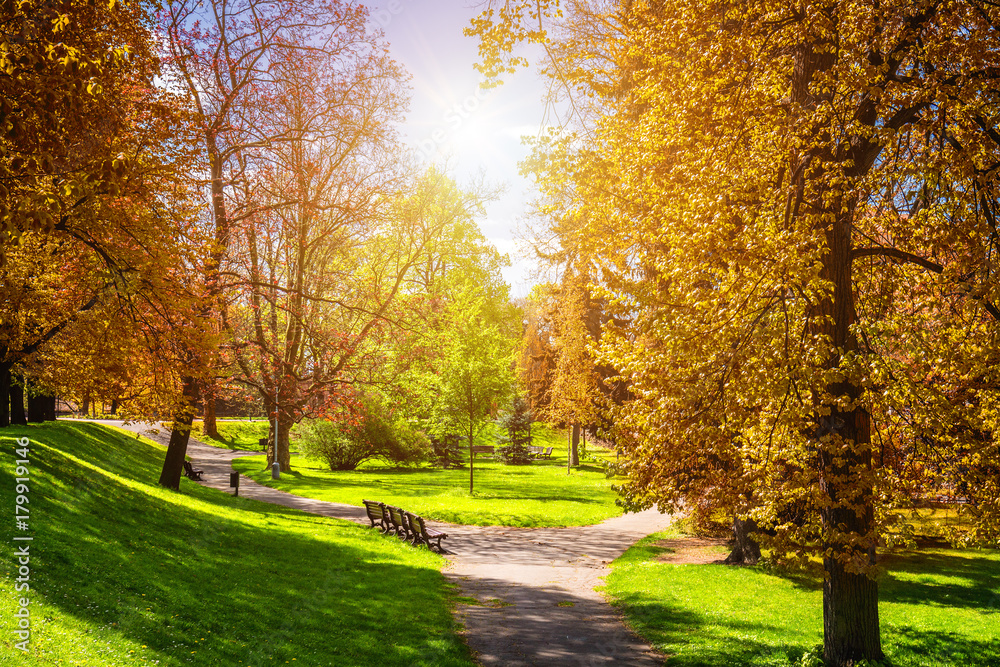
(539,494)
(124,572)
(233,434)
(938,608)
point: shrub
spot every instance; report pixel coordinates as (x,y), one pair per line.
(366,432)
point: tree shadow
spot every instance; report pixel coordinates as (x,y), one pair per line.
(208,579)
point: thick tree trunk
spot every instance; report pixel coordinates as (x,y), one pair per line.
(85,408)
(17,402)
(850,600)
(209,426)
(4,396)
(50,408)
(37,408)
(746,550)
(279,450)
(173,462)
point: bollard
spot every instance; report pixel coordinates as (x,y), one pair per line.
(275,470)
(234,481)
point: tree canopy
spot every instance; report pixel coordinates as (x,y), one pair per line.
(792,208)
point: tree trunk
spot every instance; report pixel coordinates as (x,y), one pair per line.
(4,396)
(574,451)
(50,408)
(173,462)
(841,439)
(471,457)
(36,408)
(746,550)
(85,408)
(17,402)
(850,600)
(279,450)
(209,426)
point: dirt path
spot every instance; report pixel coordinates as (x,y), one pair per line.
(529,597)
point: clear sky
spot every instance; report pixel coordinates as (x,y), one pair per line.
(477,131)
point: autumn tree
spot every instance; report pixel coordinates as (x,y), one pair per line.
(322,262)
(793,208)
(94,215)
(232,60)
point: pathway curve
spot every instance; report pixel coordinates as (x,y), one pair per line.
(535,586)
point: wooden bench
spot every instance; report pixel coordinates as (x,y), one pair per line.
(192,472)
(377,514)
(422,534)
(400,527)
(547,454)
(483,449)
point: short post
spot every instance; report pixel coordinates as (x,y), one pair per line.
(275,470)
(234,481)
(262,443)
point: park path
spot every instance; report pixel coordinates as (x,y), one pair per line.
(534,586)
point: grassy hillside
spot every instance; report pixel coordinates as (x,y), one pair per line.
(126,573)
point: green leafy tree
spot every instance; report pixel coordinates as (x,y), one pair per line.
(475,374)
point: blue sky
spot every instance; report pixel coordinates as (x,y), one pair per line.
(478,132)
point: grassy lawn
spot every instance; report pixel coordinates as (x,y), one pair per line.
(233,434)
(126,573)
(938,608)
(539,494)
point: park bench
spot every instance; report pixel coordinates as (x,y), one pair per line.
(400,526)
(483,449)
(422,534)
(535,451)
(377,514)
(192,472)
(547,454)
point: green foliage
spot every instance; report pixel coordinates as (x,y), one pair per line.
(129,574)
(514,436)
(938,607)
(369,430)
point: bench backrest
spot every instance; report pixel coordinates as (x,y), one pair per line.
(376,510)
(417,524)
(482,449)
(397,517)
(548,451)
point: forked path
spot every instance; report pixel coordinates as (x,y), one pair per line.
(532,588)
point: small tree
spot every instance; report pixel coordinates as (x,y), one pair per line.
(476,369)
(515,435)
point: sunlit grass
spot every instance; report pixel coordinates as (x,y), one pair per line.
(539,494)
(127,573)
(938,607)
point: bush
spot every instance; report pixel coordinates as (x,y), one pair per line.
(515,433)
(369,431)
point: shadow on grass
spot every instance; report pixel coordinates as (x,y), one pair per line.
(212,578)
(693,639)
(979,589)
(935,647)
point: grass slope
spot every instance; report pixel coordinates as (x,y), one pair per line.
(938,607)
(126,573)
